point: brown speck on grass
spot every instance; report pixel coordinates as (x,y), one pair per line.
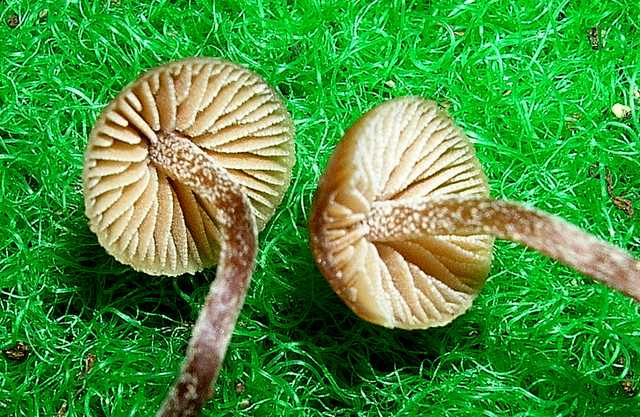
(628,387)
(571,120)
(13,21)
(627,384)
(17,353)
(620,202)
(62,411)
(89,362)
(240,388)
(594,38)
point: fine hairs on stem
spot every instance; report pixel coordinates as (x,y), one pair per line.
(187,163)
(508,220)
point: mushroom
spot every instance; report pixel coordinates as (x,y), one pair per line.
(402,225)
(181,170)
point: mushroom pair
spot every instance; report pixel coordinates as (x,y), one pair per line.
(181,170)
(402,225)
(189,161)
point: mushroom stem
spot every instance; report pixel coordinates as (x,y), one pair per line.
(184,161)
(554,237)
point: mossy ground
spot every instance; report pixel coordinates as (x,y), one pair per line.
(526,80)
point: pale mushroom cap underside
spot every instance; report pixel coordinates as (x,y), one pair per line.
(403,150)
(145,218)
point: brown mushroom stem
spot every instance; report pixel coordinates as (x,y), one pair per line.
(184,161)
(392,220)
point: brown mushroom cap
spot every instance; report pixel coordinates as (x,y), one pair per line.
(156,224)
(402,222)
(402,150)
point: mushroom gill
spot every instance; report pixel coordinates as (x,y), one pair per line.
(148,219)
(402,224)
(181,170)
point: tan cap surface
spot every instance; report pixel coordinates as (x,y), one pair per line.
(142,216)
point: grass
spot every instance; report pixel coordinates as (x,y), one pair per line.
(523,79)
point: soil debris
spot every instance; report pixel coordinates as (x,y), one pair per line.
(628,388)
(619,201)
(17,353)
(594,39)
(240,388)
(13,21)
(62,411)
(89,362)
(597,38)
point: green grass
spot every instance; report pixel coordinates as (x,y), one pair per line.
(521,77)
